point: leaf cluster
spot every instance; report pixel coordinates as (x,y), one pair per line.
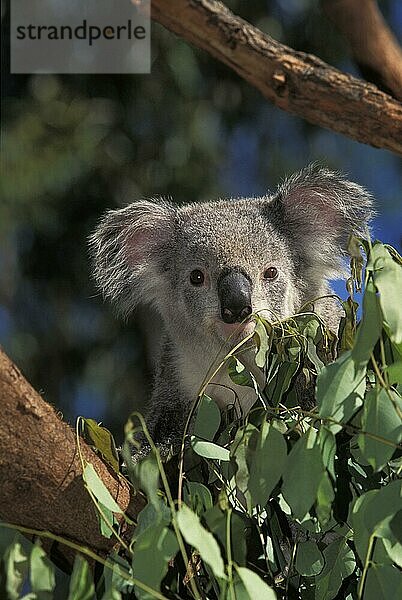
(299,499)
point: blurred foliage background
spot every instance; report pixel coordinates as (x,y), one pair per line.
(75,145)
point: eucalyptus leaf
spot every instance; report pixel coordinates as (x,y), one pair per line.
(216,521)
(387,276)
(197,496)
(303,474)
(16,567)
(267,464)
(41,574)
(370,327)
(340,390)
(264,343)
(394,372)
(208,418)
(373,513)
(146,477)
(309,559)
(102,440)
(99,490)
(339,563)
(325,499)
(238,373)
(280,382)
(153,549)
(116,577)
(81,582)
(201,539)
(383,583)
(380,419)
(209,449)
(255,586)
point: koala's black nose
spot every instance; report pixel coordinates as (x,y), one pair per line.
(234,289)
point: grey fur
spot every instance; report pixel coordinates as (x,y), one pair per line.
(144,253)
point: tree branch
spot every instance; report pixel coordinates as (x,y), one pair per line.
(374,47)
(294,81)
(40,470)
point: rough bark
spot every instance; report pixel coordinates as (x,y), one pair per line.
(294,81)
(40,471)
(373,45)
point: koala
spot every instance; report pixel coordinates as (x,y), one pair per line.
(206,268)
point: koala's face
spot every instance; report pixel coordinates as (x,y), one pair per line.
(229,261)
(208,267)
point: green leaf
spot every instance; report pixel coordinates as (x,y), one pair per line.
(383,583)
(394,372)
(373,513)
(102,440)
(42,576)
(264,343)
(325,498)
(370,327)
(153,549)
(151,515)
(95,484)
(387,275)
(216,521)
(145,476)
(309,559)
(379,418)
(347,326)
(393,549)
(303,474)
(267,462)
(239,451)
(201,539)
(209,449)
(208,419)
(106,519)
(238,373)
(197,496)
(280,382)
(81,582)
(340,390)
(115,577)
(339,563)
(15,567)
(255,586)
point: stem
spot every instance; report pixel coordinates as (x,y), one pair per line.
(370,547)
(229,554)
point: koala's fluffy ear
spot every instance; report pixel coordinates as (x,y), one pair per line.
(318,209)
(127,248)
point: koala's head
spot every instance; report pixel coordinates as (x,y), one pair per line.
(207,267)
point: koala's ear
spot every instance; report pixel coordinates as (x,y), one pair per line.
(127,248)
(319,209)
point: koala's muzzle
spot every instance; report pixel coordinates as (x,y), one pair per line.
(234,290)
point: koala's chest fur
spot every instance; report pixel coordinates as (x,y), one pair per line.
(199,369)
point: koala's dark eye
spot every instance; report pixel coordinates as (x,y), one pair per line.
(271,273)
(197,277)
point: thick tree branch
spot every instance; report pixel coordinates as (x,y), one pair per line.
(40,472)
(296,82)
(374,47)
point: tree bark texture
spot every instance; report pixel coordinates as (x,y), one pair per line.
(373,45)
(41,481)
(299,83)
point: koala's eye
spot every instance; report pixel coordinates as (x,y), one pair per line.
(271,273)
(197,277)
